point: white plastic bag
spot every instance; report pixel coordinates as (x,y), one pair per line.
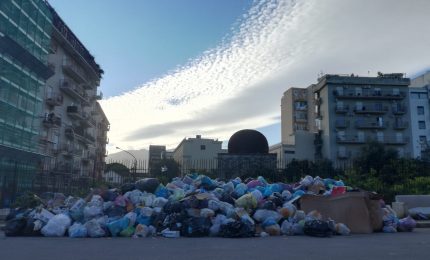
(77,230)
(56,226)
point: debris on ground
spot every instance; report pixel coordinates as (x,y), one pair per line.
(192,206)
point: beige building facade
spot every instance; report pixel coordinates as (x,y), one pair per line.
(346,111)
(198,153)
(74,126)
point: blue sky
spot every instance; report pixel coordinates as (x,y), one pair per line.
(178,68)
(137,40)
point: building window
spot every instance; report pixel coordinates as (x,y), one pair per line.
(420,110)
(421,125)
(202,147)
(423,139)
(289,152)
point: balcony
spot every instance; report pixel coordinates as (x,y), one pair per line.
(350,139)
(399,110)
(54,99)
(400,125)
(342,109)
(89,138)
(341,124)
(395,140)
(73,90)
(52,121)
(73,70)
(69,132)
(370,124)
(67,150)
(370,110)
(374,95)
(344,154)
(75,113)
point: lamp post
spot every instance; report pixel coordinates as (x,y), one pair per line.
(135,160)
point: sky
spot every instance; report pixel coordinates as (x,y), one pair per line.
(175,69)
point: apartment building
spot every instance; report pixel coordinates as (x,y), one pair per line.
(351,110)
(25,36)
(419,107)
(197,153)
(102,127)
(294,114)
(73,129)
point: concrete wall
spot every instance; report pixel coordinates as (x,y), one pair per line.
(419,98)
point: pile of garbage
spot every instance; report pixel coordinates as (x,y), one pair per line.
(192,206)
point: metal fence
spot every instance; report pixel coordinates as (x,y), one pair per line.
(18,180)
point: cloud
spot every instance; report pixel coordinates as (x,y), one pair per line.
(278,44)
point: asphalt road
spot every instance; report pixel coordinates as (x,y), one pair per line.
(414,245)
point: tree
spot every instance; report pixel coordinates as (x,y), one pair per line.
(118,168)
(165,170)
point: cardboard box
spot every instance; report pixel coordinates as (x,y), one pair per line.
(354,209)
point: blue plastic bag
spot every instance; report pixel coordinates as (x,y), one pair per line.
(116,226)
(77,230)
(144,220)
(162,191)
(241,189)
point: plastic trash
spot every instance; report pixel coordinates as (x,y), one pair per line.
(170,234)
(262,214)
(127,232)
(257,195)
(241,189)
(287,228)
(195,227)
(288,210)
(313,215)
(159,202)
(247,201)
(236,229)
(57,226)
(207,213)
(77,210)
(147,184)
(116,226)
(77,230)
(141,231)
(307,181)
(15,227)
(273,230)
(406,224)
(317,228)
(131,216)
(134,196)
(161,192)
(342,229)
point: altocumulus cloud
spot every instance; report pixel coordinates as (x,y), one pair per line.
(279,44)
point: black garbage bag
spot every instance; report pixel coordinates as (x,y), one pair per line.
(174,221)
(227,198)
(196,227)
(195,203)
(269,205)
(30,228)
(173,207)
(15,227)
(115,211)
(237,229)
(277,199)
(127,187)
(109,195)
(147,184)
(317,228)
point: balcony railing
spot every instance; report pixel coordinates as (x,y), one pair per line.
(399,110)
(370,110)
(344,154)
(74,90)
(54,99)
(73,70)
(369,95)
(52,121)
(370,124)
(75,112)
(342,109)
(400,125)
(342,123)
(354,139)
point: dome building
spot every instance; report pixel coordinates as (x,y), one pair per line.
(248,155)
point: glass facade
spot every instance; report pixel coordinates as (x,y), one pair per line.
(25,36)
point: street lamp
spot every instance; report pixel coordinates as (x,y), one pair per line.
(135,160)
